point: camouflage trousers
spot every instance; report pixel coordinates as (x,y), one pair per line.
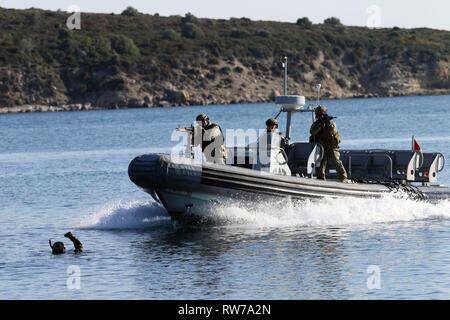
(334,155)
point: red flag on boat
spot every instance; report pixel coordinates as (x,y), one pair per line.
(418,150)
(416,146)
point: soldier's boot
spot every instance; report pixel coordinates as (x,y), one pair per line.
(320,170)
(320,173)
(342,174)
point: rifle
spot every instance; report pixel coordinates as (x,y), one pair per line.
(327,119)
(190,131)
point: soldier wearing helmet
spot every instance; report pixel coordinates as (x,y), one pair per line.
(272,127)
(211,139)
(324,131)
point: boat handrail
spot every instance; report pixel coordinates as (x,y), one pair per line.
(383,164)
(433,163)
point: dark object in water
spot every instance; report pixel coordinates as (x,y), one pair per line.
(58,247)
(76,242)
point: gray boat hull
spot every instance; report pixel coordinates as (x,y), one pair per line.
(181,184)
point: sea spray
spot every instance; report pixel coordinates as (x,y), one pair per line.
(130,215)
(324,212)
(273,214)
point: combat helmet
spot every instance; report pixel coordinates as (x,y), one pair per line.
(271,122)
(201,117)
(321,109)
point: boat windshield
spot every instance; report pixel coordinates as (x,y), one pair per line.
(269,159)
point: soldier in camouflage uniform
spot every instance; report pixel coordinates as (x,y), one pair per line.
(324,131)
(212,140)
(272,127)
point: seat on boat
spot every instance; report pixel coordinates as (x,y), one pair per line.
(304,157)
(433,163)
(362,164)
(405,164)
(354,164)
(379,167)
(379,164)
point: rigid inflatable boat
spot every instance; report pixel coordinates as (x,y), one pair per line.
(262,172)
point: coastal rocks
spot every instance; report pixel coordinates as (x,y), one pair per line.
(110,99)
(22,87)
(135,102)
(121,99)
(343,83)
(118,90)
(163,103)
(109,89)
(46,108)
(274,94)
(148,101)
(16,109)
(177,96)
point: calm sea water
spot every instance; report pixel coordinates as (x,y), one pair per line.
(68,172)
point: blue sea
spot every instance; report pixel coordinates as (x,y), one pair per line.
(67,171)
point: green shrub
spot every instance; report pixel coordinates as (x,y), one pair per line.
(189,18)
(32,17)
(263,34)
(101,47)
(4,88)
(304,22)
(192,31)
(333,21)
(26,45)
(237,33)
(64,33)
(394,34)
(124,45)
(337,51)
(130,11)
(171,35)
(68,45)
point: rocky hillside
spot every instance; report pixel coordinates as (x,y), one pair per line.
(140,60)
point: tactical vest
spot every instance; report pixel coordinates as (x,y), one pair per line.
(209,135)
(329,137)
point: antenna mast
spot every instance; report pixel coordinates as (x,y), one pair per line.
(290,104)
(289,114)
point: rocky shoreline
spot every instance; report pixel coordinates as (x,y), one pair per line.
(230,82)
(42,108)
(148,102)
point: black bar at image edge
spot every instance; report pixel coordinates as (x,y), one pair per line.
(208,309)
